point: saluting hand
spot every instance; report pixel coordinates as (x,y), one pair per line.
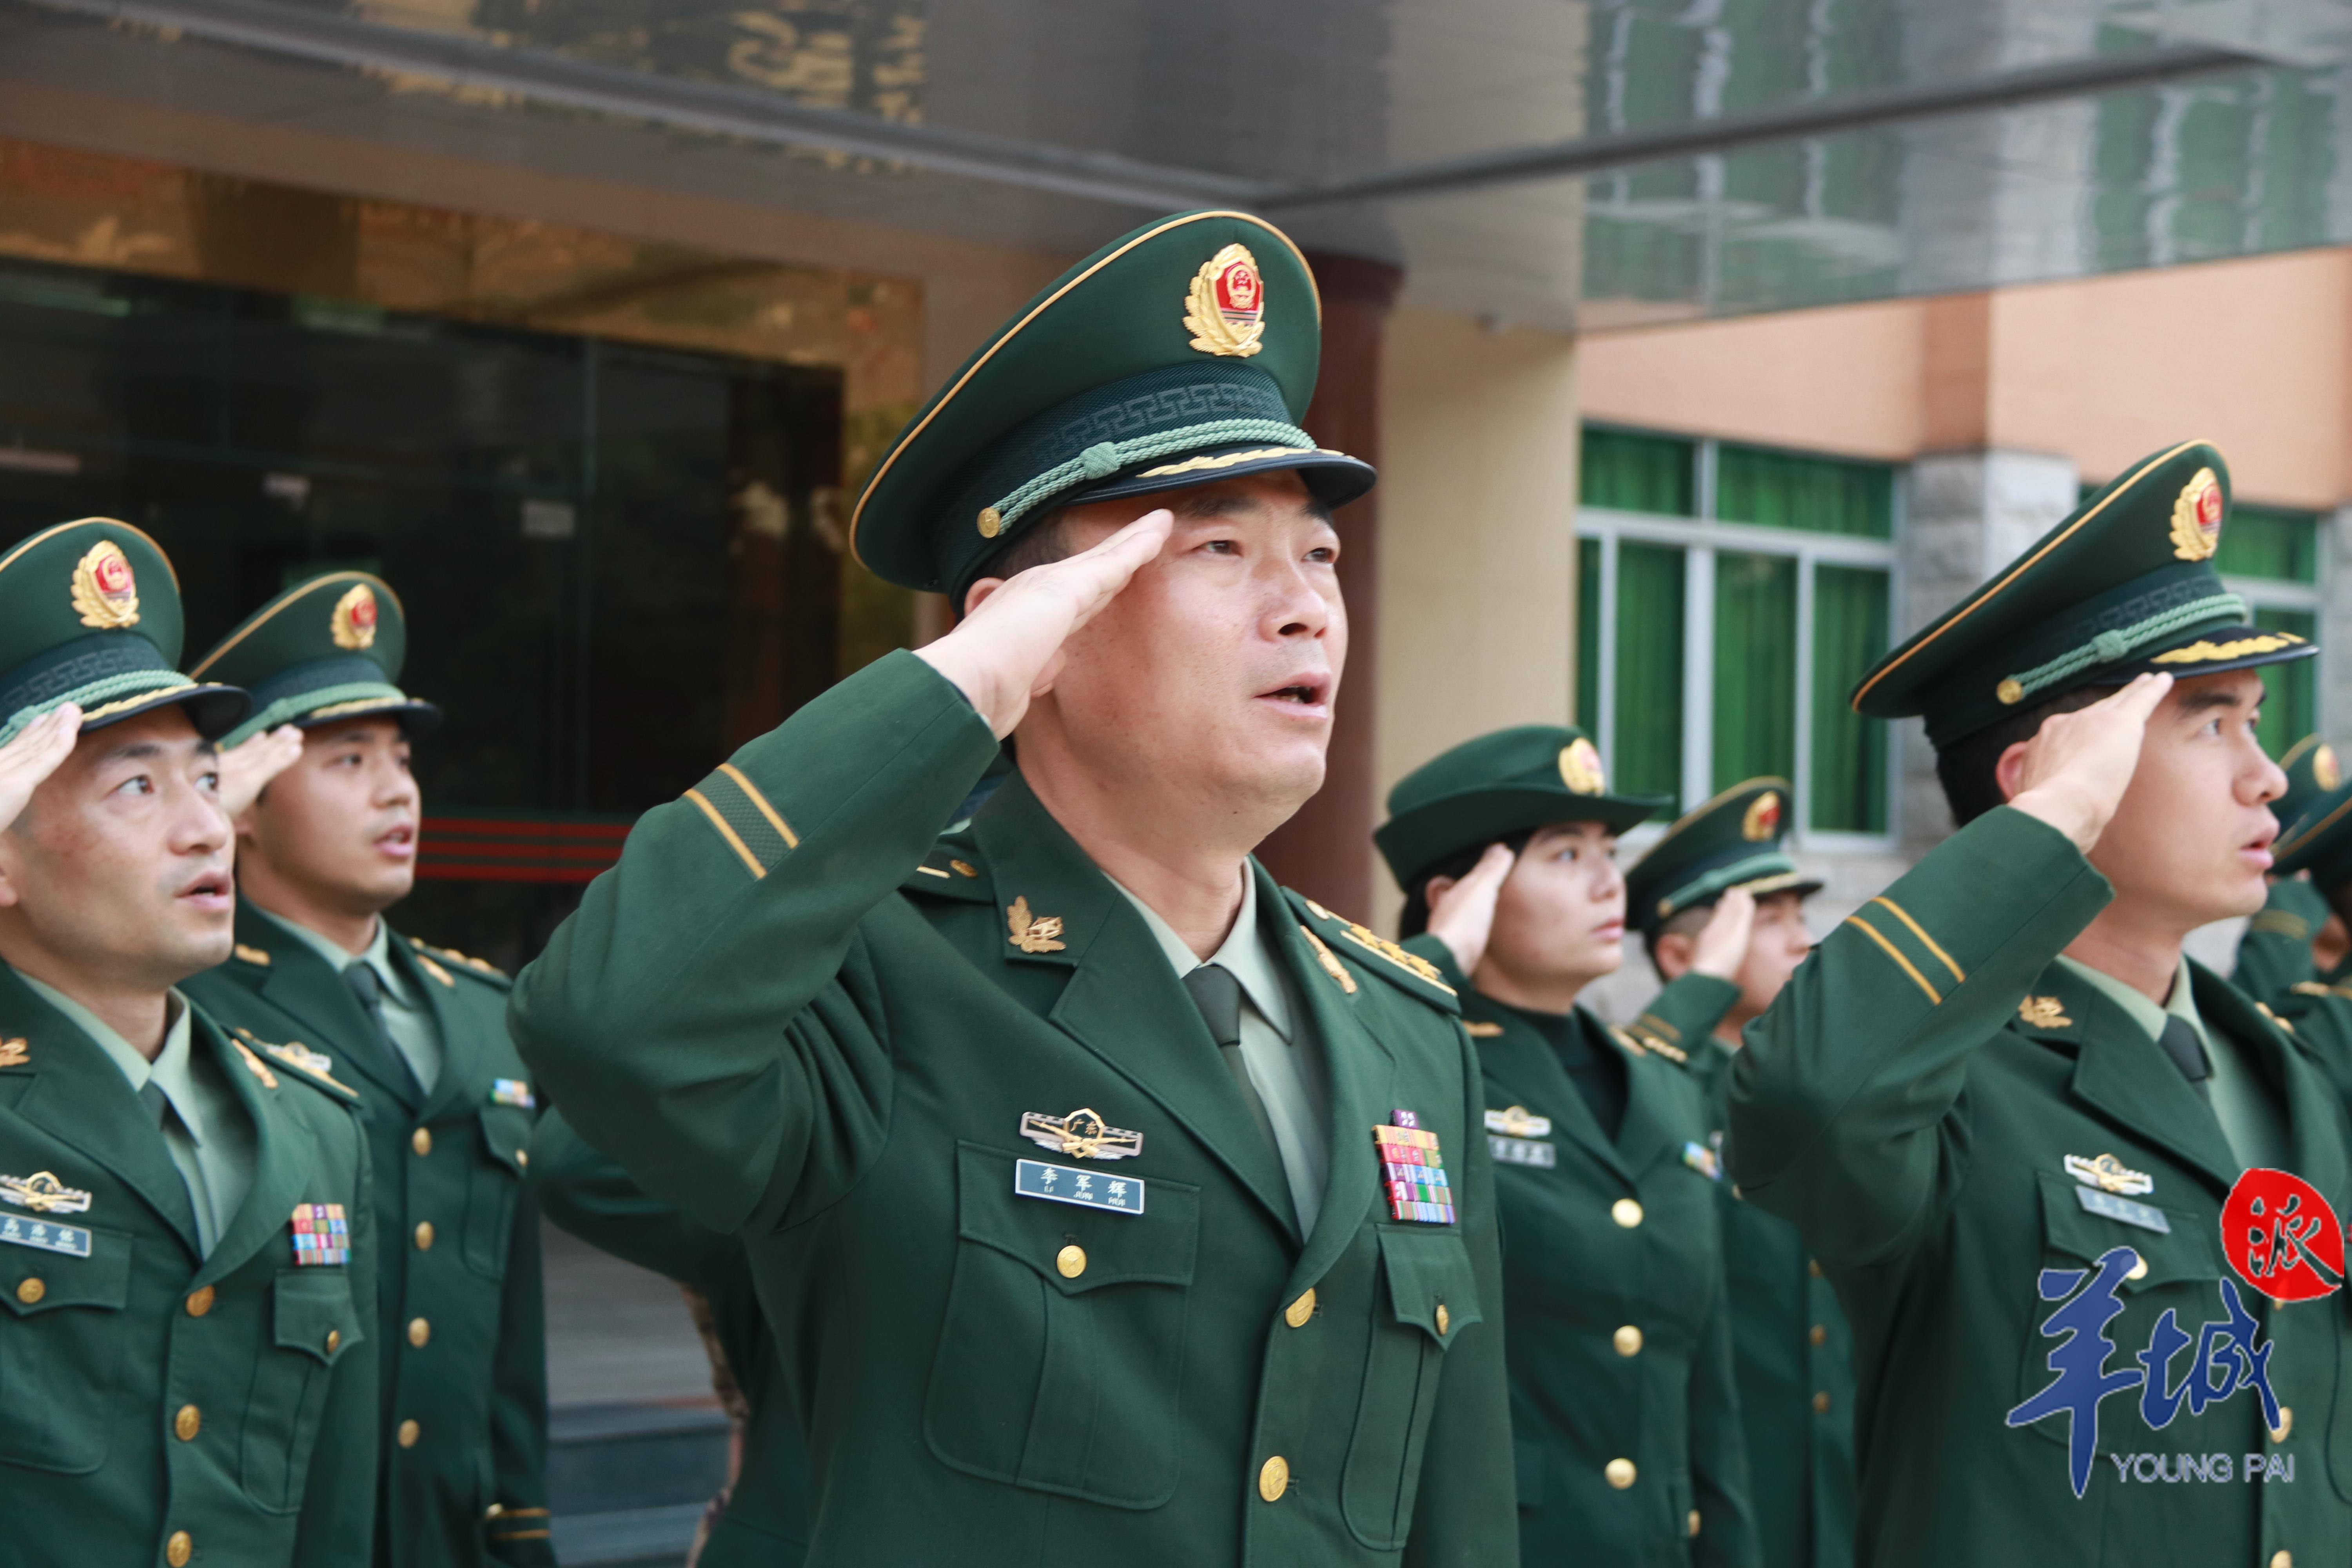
(36,753)
(1722,945)
(245,769)
(1462,913)
(1008,648)
(2073,773)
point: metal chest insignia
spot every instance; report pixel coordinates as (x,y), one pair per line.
(1412,1171)
(1516,1137)
(1082,1135)
(2109,1174)
(1518,1122)
(43,1193)
(512,1092)
(321,1235)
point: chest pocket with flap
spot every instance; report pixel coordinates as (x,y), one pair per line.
(63,1337)
(1433,1295)
(313,1325)
(493,1183)
(1061,1355)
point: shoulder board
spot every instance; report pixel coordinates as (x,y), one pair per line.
(949,871)
(1373,953)
(2280,922)
(245,953)
(479,969)
(2311,988)
(1646,1041)
(1481,1029)
(313,1067)
(2283,1025)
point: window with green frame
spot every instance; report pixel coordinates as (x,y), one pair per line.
(1792,489)
(2269,541)
(1636,472)
(1648,751)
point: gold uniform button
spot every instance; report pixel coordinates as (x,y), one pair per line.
(421,1140)
(179,1548)
(424,1236)
(1822,1403)
(1625,1212)
(1298,1311)
(419,1331)
(31,1291)
(1821,1334)
(1620,1473)
(1071,1261)
(187,1422)
(2138,1269)
(523,1158)
(1274,1478)
(1441,1320)
(2281,1560)
(1628,1340)
(200,1301)
(1813,1266)
(1693,1524)
(2285,1426)
(408,1434)
(334,1341)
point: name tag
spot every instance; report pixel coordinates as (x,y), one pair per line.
(1522,1151)
(2124,1209)
(1068,1185)
(49,1237)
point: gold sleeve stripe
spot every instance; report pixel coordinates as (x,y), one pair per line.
(1925,939)
(725,832)
(1904,963)
(792,840)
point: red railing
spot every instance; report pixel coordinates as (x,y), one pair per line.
(519,849)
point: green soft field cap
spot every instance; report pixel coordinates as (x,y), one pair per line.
(89,614)
(325,649)
(1176,356)
(1486,789)
(2125,585)
(1733,841)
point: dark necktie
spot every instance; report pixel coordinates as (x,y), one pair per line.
(369,988)
(2188,1053)
(151,1096)
(1218,995)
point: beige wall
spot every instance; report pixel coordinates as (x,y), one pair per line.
(1477,539)
(2255,355)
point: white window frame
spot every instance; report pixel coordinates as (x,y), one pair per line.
(1700,539)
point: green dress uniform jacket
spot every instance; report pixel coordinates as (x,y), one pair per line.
(1623,1409)
(460,1330)
(796,1011)
(1793,1353)
(1911,1101)
(2274,955)
(157,1407)
(766,1521)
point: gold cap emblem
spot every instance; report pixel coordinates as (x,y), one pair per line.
(2197,517)
(105,593)
(354,623)
(1579,767)
(2324,770)
(1225,309)
(1763,818)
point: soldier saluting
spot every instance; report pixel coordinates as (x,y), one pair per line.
(2007,1112)
(187,1268)
(1098,1190)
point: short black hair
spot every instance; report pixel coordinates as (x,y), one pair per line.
(1415,919)
(1044,543)
(1969,769)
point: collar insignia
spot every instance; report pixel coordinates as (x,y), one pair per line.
(253,955)
(1081,1135)
(2109,1174)
(2045,1013)
(1518,1122)
(14,1052)
(43,1193)
(1038,933)
(1481,1028)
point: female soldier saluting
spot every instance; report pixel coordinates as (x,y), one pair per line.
(1623,1410)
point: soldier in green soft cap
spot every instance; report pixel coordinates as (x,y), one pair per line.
(330,844)
(1622,1399)
(2005,1111)
(187,1240)
(1791,1348)
(1098,1189)
(2295,937)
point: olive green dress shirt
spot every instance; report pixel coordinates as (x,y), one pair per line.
(2249,1115)
(208,1134)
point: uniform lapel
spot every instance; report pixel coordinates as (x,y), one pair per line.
(2319,1154)
(80,1097)
(1521,1063)
(453,1087)
(1646,1134)
(302,985)
(2125,1075)
(1361,1074)
(285,1154)
(1122,1001)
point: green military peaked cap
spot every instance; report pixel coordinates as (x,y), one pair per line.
(328,648)
(1484,790)
(2312,771)
(1733,841)
(89,614)
(2125,585)
(1181,355)
(2319,839)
